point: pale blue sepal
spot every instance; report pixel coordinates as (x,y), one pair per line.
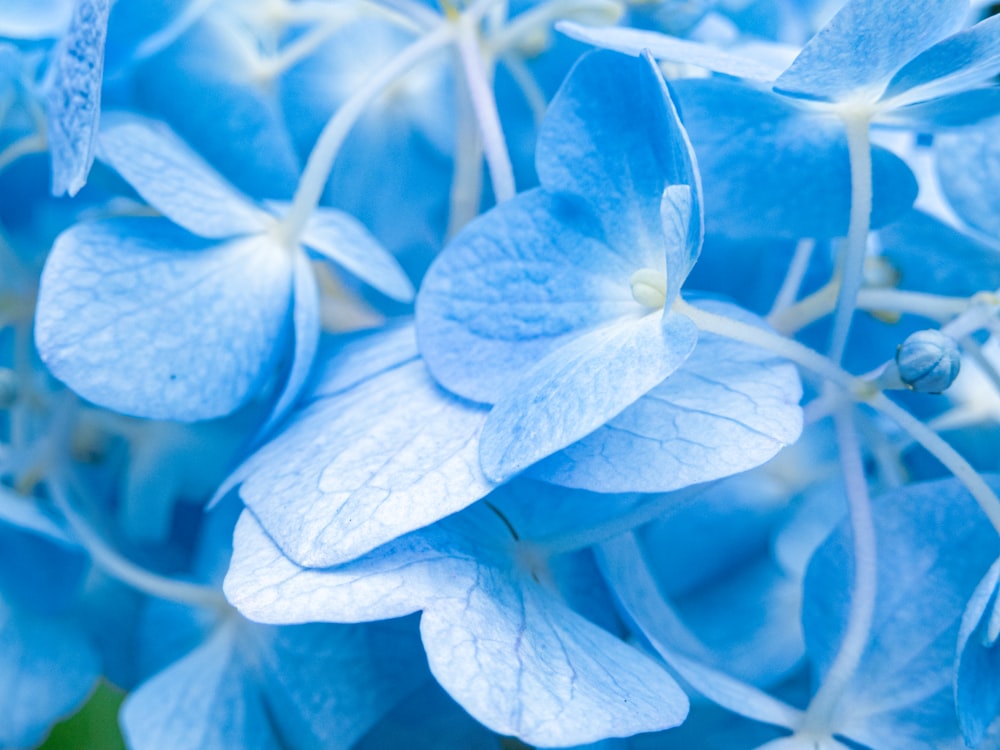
(44,567)
(517,283)
(73,95)
(965,59)
(624,565)
(349,359)
(341,238)
(306,325)
(581,386)
(791,176)
(612,136)
(47,669)
(505,648)
(933,544)
(672,49)
(966,165)
(956,110)
(359,468)
(858,51)
(327,686)
(174,180)
(977,667)
(341,363)
(728,408)
(202,702)
(139,316)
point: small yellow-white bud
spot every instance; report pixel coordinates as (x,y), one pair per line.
(649,288)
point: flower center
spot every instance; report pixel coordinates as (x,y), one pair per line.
(649,288)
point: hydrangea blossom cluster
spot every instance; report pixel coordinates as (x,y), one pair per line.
(566,373)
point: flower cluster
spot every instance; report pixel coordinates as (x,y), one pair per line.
(560,373)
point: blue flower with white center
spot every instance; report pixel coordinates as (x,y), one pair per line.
(186,317)
(561,307)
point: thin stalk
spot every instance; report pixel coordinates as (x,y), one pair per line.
(270,68)
(542,16)
(822,708)
(30,144)
(820,303)
(467,171)
(479,83)
(111,562)
(945,454)
(320,162)
(858,389)
(853,261)
(769,341)
(792,283)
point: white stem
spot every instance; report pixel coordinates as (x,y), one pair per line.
(270,68)
(29,144)
(769,341)
(112,563)
(467,171)
(858,389)
(853,261)
(320,162)
(943,452)
(542,16)
(484,103)
(822,708)
(790,287)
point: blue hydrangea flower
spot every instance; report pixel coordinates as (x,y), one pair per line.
(561,307)
(186,317)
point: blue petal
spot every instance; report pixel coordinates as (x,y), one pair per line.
(728,408)
(967,167)
(672,49)
(202,702)
(933,257)
(306,324)
(326,686)
(507,650)
(144,318)
(47,669)
(631,580)
(350,359)
(950,111)
(969,57)
(514,285)
(74,96)
(359,468)
(613,137)
(43,567)
(579,387)
(341,238)
(174,180)
(773,169)
(860,49)
(933,545)
(977,677)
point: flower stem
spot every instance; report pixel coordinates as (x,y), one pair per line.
(853,260)
(822,708)
(320,162)
(484,104)
(111,562)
